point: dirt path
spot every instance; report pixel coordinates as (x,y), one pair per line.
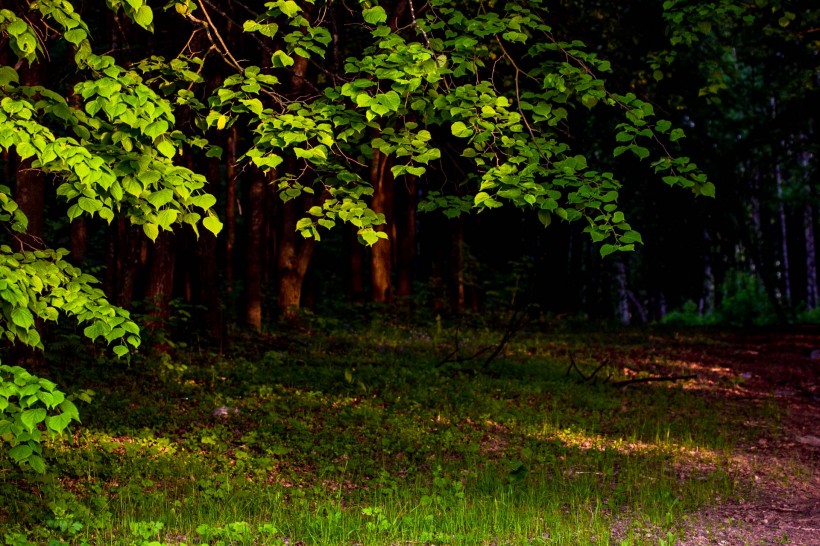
(784,463)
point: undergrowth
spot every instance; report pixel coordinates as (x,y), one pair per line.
(333,438)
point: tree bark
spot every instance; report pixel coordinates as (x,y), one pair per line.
(125,257)
(623,292)
(293,257)
(811,256)
(255,251)
(457,299)
(356,253)
(784,238)
(405,239)
(79,240)
(206,285)
(160,285)
(382,203)
(293,252)
(230,209)
(30,183)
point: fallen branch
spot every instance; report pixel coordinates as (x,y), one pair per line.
(586,378)
(519,320)
(653,379)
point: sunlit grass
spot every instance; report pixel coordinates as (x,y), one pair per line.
(370,440)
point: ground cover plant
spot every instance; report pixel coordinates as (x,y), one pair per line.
(335,437)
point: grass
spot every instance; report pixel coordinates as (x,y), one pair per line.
(335,438)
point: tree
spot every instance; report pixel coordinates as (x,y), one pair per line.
(488,91)
(111,154)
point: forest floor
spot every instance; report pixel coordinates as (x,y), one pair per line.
(377,437)
(783,463)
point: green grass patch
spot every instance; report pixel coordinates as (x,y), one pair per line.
(343,439)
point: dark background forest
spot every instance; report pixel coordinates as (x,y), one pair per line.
(742,84)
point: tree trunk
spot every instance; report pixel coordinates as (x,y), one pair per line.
(124,259)
(230,209)
(623,292)
(293,257)
(784,238)
(382,203)
(356,254)
(255,251)
(457,264)
(79,240)
(811,256)
(160,285)
(784,272)
(206,286)
(293,252)
(709,285)
(405,239)
(31,183)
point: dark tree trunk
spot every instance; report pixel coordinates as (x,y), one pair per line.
(126,256)
(457,299)
(159,288)
(31,183)
(623,292)
(405,239)
(784,237)
(811,256)
(382,203)
(79,240)
(293,252)
(230,210)
(255,251)
(206,280)
(293,257)
(357,258)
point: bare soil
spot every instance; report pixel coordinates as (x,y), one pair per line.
(782,463)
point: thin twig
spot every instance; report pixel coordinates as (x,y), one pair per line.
(227,51)
(416,23)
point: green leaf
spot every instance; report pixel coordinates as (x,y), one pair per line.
(156,128)
(37,463)
(161,197)
(371,236)
(663,125)
(68,408)
(166,148)
(280,59)
(17,27)
(20,453)
(144,16)
(58,423)
(204,201)
(708,189)
(630,237)
(22,317)
(120,350)
(212,224)
(75,36)
(288,7)
(374,16)
(166,218)
(31,418)
(8,75)
(461,130)
(606,250)
(151,230)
